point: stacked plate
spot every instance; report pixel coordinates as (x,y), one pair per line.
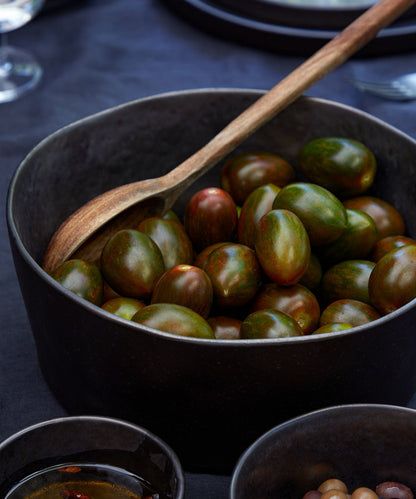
(293,26)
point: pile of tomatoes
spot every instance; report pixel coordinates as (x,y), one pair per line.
(265,255)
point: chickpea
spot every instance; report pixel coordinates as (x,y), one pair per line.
(364,493)
(333,484)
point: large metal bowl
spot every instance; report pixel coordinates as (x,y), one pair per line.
(207,398)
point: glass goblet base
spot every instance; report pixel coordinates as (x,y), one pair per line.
(19,72)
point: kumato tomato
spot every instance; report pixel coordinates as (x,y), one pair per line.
(388,220)
(333,327)
(265,255)
(244,172)
(171,238)
(210,217)
(174,319)
(185,285)
(257,204)
(225,328)
(269,324)
(389,243)
(344,166)
(82,278)
(392,283)
(296,300)
(282,246)
(347,279)
(203,255)
(356,242)
(235,274)
(322,213)
(348,311)
(109,293)
(132,263)
(313,274)
(123,307)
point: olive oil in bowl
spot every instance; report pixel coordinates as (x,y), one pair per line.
(82,481)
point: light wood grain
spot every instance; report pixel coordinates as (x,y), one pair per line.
(84,233)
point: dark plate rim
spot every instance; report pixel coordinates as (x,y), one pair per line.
(203,14)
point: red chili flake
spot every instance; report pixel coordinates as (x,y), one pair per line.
(70,469)
(73,494)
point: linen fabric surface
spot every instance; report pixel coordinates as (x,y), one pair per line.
(100,53)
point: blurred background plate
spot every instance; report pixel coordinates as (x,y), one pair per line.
(283,27)
(315,14)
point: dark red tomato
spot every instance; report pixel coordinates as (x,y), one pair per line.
(269,324)
(132,263)
(210,217)
(225,328)
(82,278)
(123,307)
(313,274)
(355,243)
(348,311)
(202,256)
(296,300)
(282,246)
(243,173)
(185,285)
(171,239)
(257,204)
(174,319)
(392,283)
(388,220)
(109,292)
(235,274)
(333,327)
(322,213)
(347,279)
(383,246)
(344,166)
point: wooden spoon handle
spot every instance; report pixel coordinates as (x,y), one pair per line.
(334,53)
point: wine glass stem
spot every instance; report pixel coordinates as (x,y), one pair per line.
(3,46)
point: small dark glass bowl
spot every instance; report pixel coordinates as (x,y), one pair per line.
(207,398)
(91,440)
(362,445)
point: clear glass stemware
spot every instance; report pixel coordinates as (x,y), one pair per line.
(19,71)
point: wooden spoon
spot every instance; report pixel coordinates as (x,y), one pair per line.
(84,233)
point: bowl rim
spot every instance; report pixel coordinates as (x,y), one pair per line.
(173,457)
(302,419)
(243,343)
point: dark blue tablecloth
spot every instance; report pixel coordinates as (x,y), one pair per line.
(100,53)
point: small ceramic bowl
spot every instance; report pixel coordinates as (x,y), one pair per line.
(363,445)
(207,398)
(106,443)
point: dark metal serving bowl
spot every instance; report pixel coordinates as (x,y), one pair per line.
(207,398)
(362,444)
